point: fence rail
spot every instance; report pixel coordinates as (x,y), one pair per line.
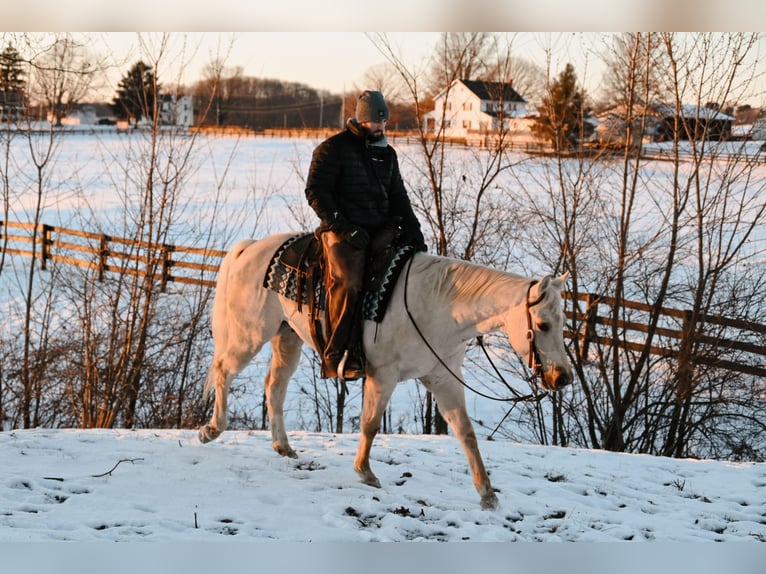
(727,343)
(722,342)
(106,253)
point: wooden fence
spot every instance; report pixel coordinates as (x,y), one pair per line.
(722,342)
(106,253)
(726,343)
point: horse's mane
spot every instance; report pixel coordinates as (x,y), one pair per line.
(457,279)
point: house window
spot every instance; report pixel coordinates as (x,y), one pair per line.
(467,106)
(467,124)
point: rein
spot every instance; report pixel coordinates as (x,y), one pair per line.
(534,363)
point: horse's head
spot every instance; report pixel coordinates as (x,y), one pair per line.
(540,338)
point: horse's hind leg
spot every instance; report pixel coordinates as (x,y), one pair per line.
(286,353)
(224,368)
(218,377)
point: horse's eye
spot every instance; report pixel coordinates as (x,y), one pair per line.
(543,327)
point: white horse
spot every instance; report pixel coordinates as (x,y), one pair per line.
(422,336)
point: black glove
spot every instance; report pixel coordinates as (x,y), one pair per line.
(414,238)
(354,235)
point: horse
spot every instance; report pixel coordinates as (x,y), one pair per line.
(437,305)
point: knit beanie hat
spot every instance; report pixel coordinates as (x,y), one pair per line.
(371,107)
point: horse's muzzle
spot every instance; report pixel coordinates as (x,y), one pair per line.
(556,378)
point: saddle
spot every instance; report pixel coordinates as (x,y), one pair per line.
(296,271)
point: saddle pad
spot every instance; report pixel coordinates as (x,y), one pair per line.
(375,301)
(290,278)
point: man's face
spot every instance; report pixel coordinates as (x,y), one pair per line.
(374,130)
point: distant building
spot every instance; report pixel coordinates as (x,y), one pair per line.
(758,131)
(473,109)
(663,122)
(176,110)
(87,115)
(12,107)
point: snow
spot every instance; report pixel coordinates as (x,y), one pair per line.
(164,485)
(90,487)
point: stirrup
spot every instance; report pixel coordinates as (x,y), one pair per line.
(342,369)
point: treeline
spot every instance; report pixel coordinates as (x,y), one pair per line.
(259,104)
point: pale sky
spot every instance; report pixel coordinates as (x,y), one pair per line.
(338,61)
(333,61)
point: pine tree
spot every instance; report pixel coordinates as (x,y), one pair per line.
(136,94)
(562,111)
(11,70)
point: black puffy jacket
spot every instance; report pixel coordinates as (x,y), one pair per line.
(360,183)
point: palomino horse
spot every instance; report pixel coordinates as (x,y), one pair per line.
(422,336)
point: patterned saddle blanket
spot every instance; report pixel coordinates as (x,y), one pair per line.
(295,271)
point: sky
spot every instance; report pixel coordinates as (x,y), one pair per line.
(324,44)
(335,61)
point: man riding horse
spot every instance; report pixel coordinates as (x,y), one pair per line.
(355,187)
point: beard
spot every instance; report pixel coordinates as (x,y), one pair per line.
(372,136)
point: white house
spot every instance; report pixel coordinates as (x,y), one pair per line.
(758,131)
(473,109)
(176,110)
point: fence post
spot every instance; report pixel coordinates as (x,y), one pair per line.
(45,246)
(103,253)
(167,263)
(589,324)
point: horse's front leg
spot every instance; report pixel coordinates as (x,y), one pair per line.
(450,397)
(376,396)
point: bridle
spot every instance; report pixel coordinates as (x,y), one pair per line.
(533,361)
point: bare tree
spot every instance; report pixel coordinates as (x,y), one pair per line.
(637,69)
(64,73)
(664,235)
(456,192)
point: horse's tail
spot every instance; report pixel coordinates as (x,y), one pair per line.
(218,318)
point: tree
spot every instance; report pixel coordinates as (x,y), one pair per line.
(462,56)
(562,111)
(12,74)
(136,93)
(64,75)
(637,70)
(456,191)
(647,236)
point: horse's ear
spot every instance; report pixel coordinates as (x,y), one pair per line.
(561,280)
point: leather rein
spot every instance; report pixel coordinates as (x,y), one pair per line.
(533,361)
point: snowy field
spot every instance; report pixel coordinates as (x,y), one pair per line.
(163,486)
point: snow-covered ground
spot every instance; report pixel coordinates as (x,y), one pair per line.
(175,505)
(163,485)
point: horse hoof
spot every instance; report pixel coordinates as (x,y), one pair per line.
(285,451)
(489,502)
(369,479)
(207,433)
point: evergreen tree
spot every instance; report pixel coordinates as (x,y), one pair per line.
(136,94)
(11,70)
(562,111)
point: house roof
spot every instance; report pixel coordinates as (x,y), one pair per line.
(688,111)
(493,91)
